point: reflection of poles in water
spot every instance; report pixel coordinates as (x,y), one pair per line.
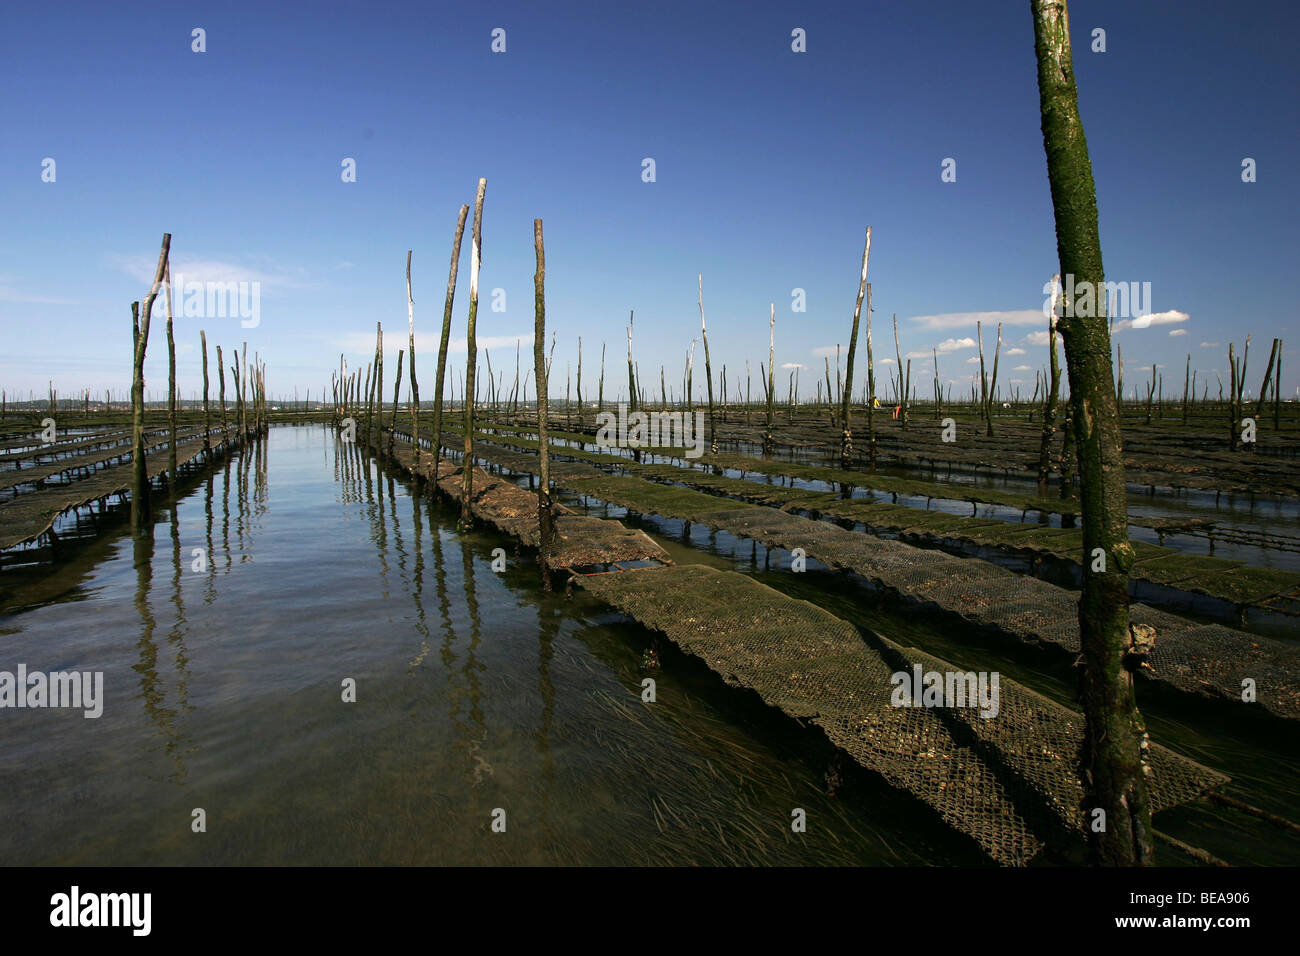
(417,580)
(151,689)
(398,544)
(478,766)
(472,666)
(176,638)
(241,498)
(548,627)
(210,593)
(225,511)
(463,745)
(375,509)
(260,487)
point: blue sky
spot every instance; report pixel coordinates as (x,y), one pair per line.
(769,166)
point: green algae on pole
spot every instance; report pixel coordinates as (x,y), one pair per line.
(846,424)
(545,516)
(221,377)
(171,383)
(475,256)
(446,335)
(871,389)
(631,375)
(140,511)
(1114,752)
(392,432)
(415,385)
(708,370)
(207,414)
(768,442)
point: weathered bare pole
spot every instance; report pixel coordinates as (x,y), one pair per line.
(171,383)
(545,515)
(708,371)
(1268,376)
(446,336)
(140,509)
(1113,755)
(631,374)
(415,385)
(397,388)
(1187,383)
(579,383)
(239,402)
(207,415)
(243,398)
(1277,388)
(377,402)
(993,383)
(600,385)
(871,389)
(221,377)
(902,385)
(846,423)
(938,391)
(1053,387)
(769,444)
(475,256)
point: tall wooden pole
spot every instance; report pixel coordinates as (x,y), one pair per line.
(631,375)
(446,335)
(1115,746)
(769,443)
(140,509)
(397,389)
(846,424)
(221,378)
(415,386)
(171,383)
(475,256)
(871,389)
(207,414)
(708,371)
(545,516)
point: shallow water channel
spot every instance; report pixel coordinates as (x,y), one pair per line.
(226,635)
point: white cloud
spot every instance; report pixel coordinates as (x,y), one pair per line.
(193,269)
(826,351)
(1155,318)
(973,360)
(1173,332)
(1209,345)
(946,347)
(1038,338)
(793,365)
(967,320)
(953,345)
(1023,368)
(887,361)
(1017,352)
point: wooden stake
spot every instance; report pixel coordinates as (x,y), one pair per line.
(207,415)
(846,422)
(475,256)
(442,345)
(415,385)
(140,508)
(544,514)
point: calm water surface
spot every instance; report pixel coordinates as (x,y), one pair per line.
(475,691)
